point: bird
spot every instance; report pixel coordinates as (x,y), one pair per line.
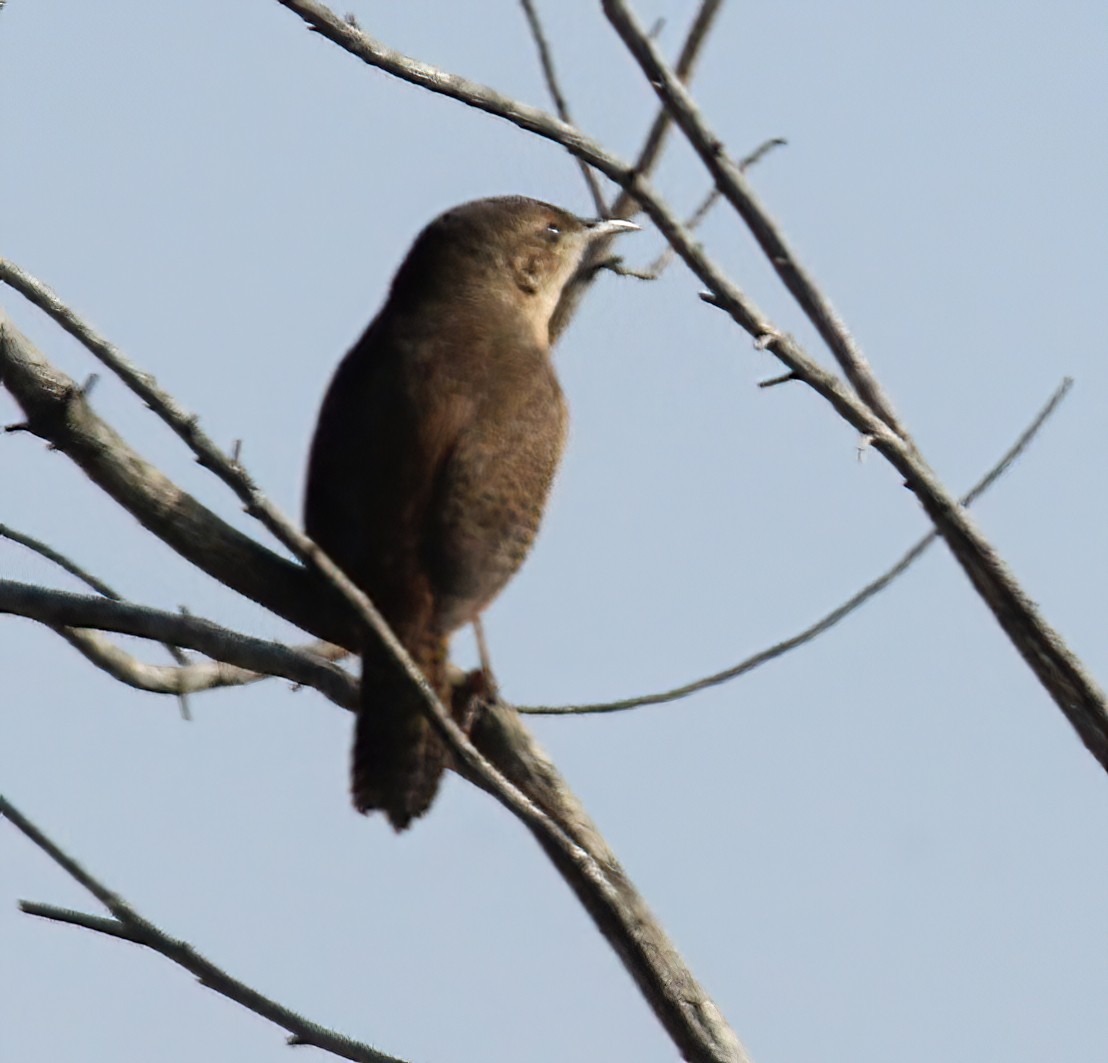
(433,456)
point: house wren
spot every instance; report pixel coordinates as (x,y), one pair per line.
(434,453)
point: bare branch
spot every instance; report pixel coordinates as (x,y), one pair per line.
(729,179)
(63,562)
(102,924)
(694,220)
(840,612)
(659,130)
(99,650)
(691,1017)
(546,59)
(131,926)
(193,678)
(61,609)
(1062,674)
(76,639)
(56,412)
(626,205)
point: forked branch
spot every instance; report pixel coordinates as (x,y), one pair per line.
(1060,671)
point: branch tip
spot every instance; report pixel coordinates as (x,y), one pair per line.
(784,378)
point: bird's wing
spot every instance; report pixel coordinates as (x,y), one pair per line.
(384,433)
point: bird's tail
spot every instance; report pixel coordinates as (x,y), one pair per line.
(398,758)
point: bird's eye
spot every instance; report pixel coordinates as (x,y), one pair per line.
(553,233)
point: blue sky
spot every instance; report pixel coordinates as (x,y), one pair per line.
(889,845)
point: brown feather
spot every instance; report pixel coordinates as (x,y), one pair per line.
(434,454)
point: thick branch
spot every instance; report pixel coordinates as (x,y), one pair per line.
(729,179)
(57,412)
(1057,668)
(59,608)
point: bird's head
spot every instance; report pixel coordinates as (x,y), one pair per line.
(510,251)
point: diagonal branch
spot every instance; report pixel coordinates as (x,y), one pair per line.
(58,412)
(625,205)
(839,613)
(63,562)
(1056,667)
(553,86)
(130,926)
(729,179)
(83,641)
(655,141)
(694,220)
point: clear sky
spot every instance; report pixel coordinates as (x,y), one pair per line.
(887,846)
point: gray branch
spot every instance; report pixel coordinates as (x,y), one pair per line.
(729,179)
(839,613)
(58,412)
(128,925)
(61,609)
(1057,668)
(83,642)
(557,96)
(195,677)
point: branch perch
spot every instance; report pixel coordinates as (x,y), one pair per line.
(523,777)
(1061,673)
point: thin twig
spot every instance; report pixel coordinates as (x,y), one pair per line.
(129,925)
(832,618)
(660,128)
(98,585)
(729,179)
(102,924)
(59,559)
(57,413)
(696,219)
(1058,669)
(626,205)
(467,756)
(546,59)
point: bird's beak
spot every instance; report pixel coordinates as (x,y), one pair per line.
(610,227)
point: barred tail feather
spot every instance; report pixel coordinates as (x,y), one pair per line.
(398,758)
